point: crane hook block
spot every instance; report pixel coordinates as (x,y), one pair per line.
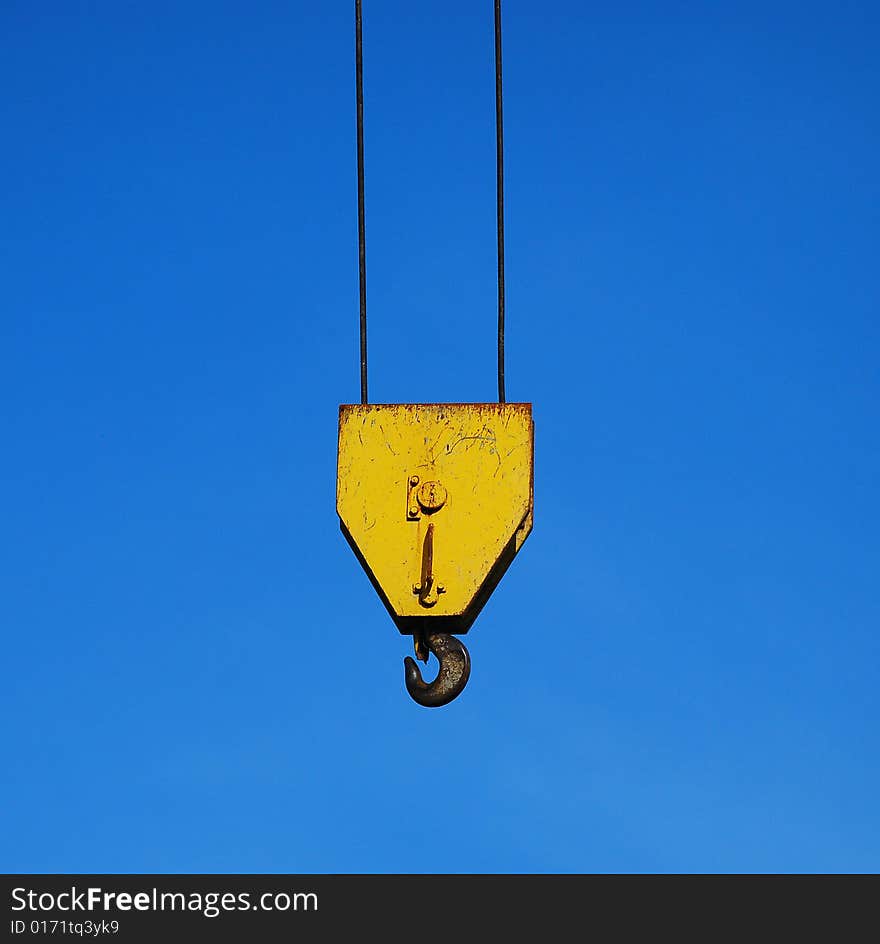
(435,500)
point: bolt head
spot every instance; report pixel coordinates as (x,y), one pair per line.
(432,496)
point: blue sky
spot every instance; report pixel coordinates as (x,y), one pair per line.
(680,670)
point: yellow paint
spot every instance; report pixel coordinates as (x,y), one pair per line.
(466,469)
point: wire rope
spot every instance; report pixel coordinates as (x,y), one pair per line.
(499,178)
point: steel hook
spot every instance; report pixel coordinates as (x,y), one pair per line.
(455,669)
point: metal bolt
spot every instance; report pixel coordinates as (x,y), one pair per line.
(431,496)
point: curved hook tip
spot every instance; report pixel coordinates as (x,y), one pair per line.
(455,670)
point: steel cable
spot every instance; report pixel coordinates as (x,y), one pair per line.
(499,174)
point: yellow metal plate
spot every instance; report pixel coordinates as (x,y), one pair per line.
(435,499)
